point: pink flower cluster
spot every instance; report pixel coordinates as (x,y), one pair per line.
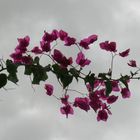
(84,43)
(19,56)
(96,97)
(96,100)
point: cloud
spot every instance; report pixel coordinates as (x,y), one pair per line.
(35,116)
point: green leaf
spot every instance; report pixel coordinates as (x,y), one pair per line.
(36,60)
(56,68)
(38,71)
(103,76)
(47,68)
(39,74)
(132,74)
(11,67)
(75,73)
(66,80)
(13,78)
(90,78)
(124,80)
(12,70)
(63,75)
(108,85)
(28,69)
(3,80)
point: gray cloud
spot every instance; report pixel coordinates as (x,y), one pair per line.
(35,116)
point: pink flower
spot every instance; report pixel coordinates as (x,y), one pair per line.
(17,57)
(45,46)
(84,43)
(24,41)
(102,115)
(97,83)
(65,62)
(92,39)
(111,99)
(21,49)
(64,99)
(69,41)
(132,63)
(102,94)
(62,35)
(61,59)
(36,50)
(95,101)
(87,41)
(49,89)
(124,53)
(115,86)
(67,109)
(81,60)
(55,34)
(82,103)
(57,56)
(105,107)
(27,60)
(125,93)
(95,105)
(89,88)
(108,46)
(23,44)
(49,37)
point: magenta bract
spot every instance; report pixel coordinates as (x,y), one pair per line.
(132,63)
(36,50)
(47,37)
(62,35)
(111,99)
(82,103)
(108,46)
(102,94)
(24,42)
(64,99)
(55,34)
(67,109)
(45,46)
(61,59)
(92,39)
(124,53)
(81,60)
(115,85)
(125,93)
(69,41)
(27,60)
(102,115)
(84,43)
(49,89)
(17,57)
(95,101)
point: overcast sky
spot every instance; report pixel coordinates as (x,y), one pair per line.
(25,115)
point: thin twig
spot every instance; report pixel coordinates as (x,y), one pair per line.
(32,84)
(76,91)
